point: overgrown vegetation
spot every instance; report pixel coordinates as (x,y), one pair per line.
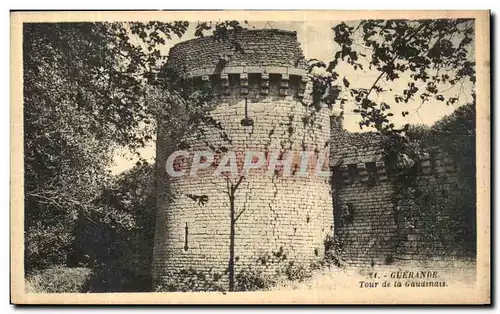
(431,56)
(190,279)
(59,280)
(334,253)
(445,213)
(117,242)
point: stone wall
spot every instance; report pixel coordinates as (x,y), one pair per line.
(435,213)
(363,197)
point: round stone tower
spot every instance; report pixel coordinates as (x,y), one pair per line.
(259,93)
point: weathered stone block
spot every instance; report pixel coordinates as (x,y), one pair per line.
(233,70)
(276,70)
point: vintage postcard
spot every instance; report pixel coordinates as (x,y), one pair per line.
(250,157)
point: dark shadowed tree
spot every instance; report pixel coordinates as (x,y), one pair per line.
(117,241)
(453,135)
(83,96)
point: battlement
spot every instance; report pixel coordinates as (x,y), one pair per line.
(360,157)
(249,63)
(252,82)
(363,172)
(376,171)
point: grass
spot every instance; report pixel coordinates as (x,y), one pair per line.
(455,273)
(58,280)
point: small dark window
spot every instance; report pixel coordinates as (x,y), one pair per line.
(186,232)
(353,173)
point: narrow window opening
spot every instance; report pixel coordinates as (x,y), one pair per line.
(186,232)
(372,173)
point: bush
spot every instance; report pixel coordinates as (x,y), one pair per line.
(297,272)
(59,280)
(190,279)
(47,243)
(333,252)
(444,213)
(251,279)
(117,241)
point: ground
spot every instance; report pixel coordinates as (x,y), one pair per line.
(454,273)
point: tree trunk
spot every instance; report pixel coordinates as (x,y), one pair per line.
(231,243)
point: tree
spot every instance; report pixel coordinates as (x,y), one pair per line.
(117,241)
(83,96)
(231,191)
(448,215)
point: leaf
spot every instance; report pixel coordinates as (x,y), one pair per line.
(346,82)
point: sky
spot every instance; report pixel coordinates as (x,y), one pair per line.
(316,40)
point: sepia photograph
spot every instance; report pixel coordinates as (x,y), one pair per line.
(229,157)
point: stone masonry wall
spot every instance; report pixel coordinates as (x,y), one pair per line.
(363,197)
(292,214)
(259,48)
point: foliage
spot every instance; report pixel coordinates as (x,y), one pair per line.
(256,279)
(88,89)
(456,135)
(334,253)
(59,280)
(83,96)
(284,267)
(117,242)
(190,279)
(296,272)
(432,55)
(443,218)
(249,279)
(445,213)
